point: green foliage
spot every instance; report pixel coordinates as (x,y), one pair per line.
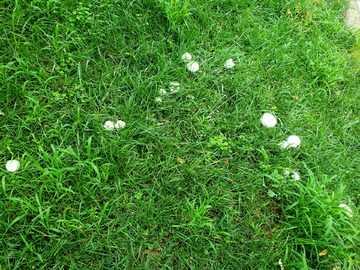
(313,220)
(176,12)
(317,222)
(220,144)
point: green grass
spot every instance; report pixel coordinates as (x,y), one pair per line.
(193,182)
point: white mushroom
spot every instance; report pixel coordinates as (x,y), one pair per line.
(193,66)
(296,176)
(284,144)
(120,124)
(348,210)
(12,165)
(109,125)
(292,174)
(229,63)
(293,141)
(186,56)
(174,86)
(268,120)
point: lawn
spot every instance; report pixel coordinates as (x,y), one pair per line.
(186,175)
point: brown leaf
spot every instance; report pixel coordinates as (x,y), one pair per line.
(289,13)
(165,120)
(323,253)
(181,160)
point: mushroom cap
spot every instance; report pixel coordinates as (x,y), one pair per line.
(268,120)
(293,141)
(12,165)
(193,66)
(120,124)
(284,144)
(109,125)
(293,174)
(296,176)
(349,212)
(158,99)
(229,63)
(174,86)
(186,56)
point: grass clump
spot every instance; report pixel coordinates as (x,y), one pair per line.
(193,180)
(317,223)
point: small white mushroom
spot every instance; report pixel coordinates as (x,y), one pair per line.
(12,165)
(292,174)
(162,92)
(284,144)
(120,124)
(293,141)
(229,63)
(193,66)
(186,56)
(296,176)
(158,99)
(174,86)
(268,120)
(348,210)
(109,125)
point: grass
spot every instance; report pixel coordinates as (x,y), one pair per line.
(192,182)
